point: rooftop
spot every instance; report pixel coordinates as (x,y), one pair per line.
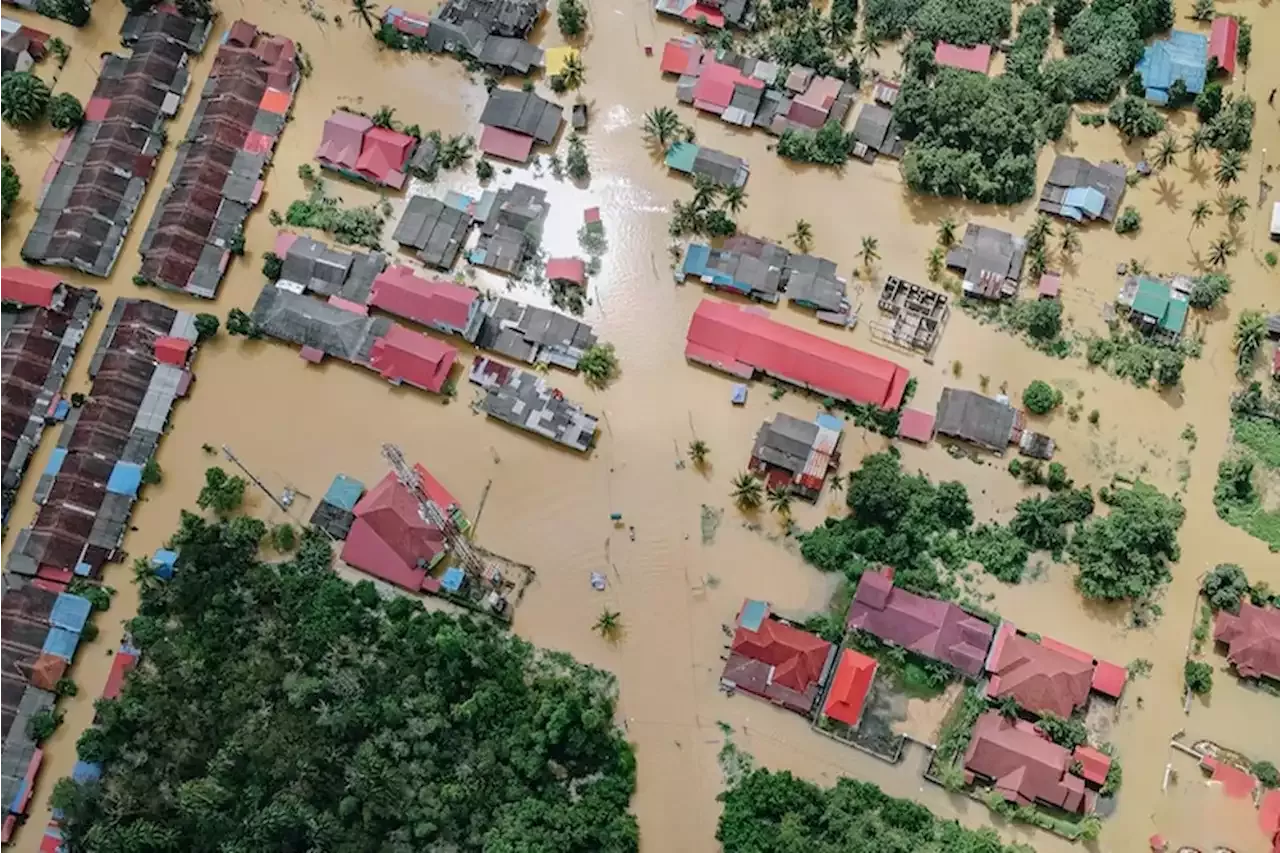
(522,112)
(1078,190)
(390,539)
(849,687)
(435,302)
(990,261)
(975,418)
(435,229)
(1223,37)
(1252,638)
(1041,679)
(1182,56)
(775,661)
(525,400)
(976,58)
(1023,766)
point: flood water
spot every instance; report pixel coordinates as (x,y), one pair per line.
(300,425)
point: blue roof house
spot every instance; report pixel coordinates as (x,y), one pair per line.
(1183,56)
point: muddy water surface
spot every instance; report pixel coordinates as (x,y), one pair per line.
(299,425)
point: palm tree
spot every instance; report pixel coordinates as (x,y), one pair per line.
(935,262)
(837,29)
(1198,141)
(1221,249)
(609,625)
(661,125)
(705,192)
(1251,328)
(1070,237)
(947,232)
(1166,151)
(780,500)
(25,99)
(1039,231)
(1039,262)
(574,73)
(1199,215)
(699,450)
(1235,208)
(385,117)
(1230,164)
(869,251)
(747,492)
(735,198)
(802,236)
(837,484)
(365,11)
(868,44)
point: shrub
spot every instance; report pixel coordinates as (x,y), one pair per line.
(151,473)
(484,169)
(44,723)
(571,17)
(12,187)
(1125,554)
(1128,221)
(206,326)
(599,365)
(1134,117)
(65,111)
(1208,290)
(1198,676)
(1040,398)
(1266,773)
(24,99)
(1225,586)
(1068,733)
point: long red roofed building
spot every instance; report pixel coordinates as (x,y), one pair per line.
(775,661)
(1223,37)
(1041,679)
(438,303)
(741,342)
(1022,765)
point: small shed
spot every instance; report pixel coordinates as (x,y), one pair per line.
(916,425)
(571,270)
(1050,285)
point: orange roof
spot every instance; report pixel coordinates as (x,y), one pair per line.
(850,687)
(1109,678)
(797,657)
(1094,764)
(275,101)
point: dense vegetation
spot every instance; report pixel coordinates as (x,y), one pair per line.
(280,708)
(1125,554)
(767,812)
(12,186)
(359,225)
(1255,423)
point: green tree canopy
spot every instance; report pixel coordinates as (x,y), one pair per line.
(1125,554)
(1225,586)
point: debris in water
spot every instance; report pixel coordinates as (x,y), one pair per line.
(597,582)
(711,518)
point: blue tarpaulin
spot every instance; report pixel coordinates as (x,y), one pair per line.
(739,394)
(83,569)
(344,492)
(55,461)
(61,410)
(1088,200)
(695,260)
(452,579)
(125,479)
(753,613)
(70,612)
(86,771)
(829,422)
(1183,56)
(163,562)
(62,643)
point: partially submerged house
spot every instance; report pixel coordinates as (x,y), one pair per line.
(917,314)
(514,120)
(1157,308)
(808,281)
(87,490)
(740,341)
(875,133)
(100,171)
(689,158)
(217,175)
(524,400)
(772,659)
(22,46)
(494,33)
(976,59)
(1080,191)
(315,267)
(797,455)
(716,14)
(1252,639)
(1046,676)
(927,626)
(353,146)
(990,261)
(567,271)
(850,687)
(532,334)
(436,303)
(1183,57)
(1023,766)
(40,341)
(977,419)
(724,269)
(511,223)
(437,230)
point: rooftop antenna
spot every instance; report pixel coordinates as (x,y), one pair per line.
(431,513)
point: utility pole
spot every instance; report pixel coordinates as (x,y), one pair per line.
(282,503)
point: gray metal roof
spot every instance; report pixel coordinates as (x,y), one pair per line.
(975,418)
(876,129)
(530,334)
(436,230)
(525,400)
(785,442)
(522,112)
(821,292)
(1067,172)
(316,266)
(308,322)
(988,250)
(720,167)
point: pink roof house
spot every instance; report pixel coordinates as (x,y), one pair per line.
(572,270)
(976,58)
(812,108)
(342,140)
(714,89)
(389,539)
(681,56)
(1222,42)
(435,302)
(507,144)
(404,356)
(384,156)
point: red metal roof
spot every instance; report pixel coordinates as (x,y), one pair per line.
(849,688)
(1094,764)
(30,287)
(389,538)
(506,144)
(1222,42)
(715,85)
(778,662)
(1024,766)
(1236,783)
(728,337)
(275,101)
(916,425)
(412,357)
(1269,815)
(431,302)
(1109,678)
(567,269)
(242,33)
(680,56)
(384,155)
(1041,678)
(977,58)
(342,139)
(121,665)
(1252,638)
(170,350)
(1050,285)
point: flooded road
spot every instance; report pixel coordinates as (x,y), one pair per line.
(299,425)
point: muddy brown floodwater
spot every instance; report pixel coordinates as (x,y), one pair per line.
(301,425)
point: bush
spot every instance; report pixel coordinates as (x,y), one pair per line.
(221,493)
(65,112)
(284,537)
(151,473)
(1128,221)
(44,723)
(1198,677)
(24,99)
(206,326)
(599,365)
(1208,290)
(1040,398)
(484,169)
(1266,773)
(12,187)
(1068,733)
(571,17)
(1225,586)
(1134,117)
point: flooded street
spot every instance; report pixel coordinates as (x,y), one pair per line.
(296,424)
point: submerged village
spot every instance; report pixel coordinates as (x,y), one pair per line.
(743,425)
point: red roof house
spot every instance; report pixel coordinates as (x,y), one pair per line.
(30,287)
(681,56)
(389,538)
(775,661)
(927,626)
(714,89)
(1040,678)
(740,342)
(121,665)
(402,355)
(383,156)
(171,350)
(343,139)
(976,58)
(1252,639)
(1093,764)
(507,144)
(849,687)
(435,302)
(572,270)
(1021,765)
(916,425)
(1236,783)
(1223,37)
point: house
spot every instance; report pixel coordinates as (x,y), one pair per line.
(682,56)
(916,425)
(723,169)
(353,146)
(391,540)
(1041,679)
(436,303)
(1183,56)
(927,626)
(1078,190)
(977,419)
(824,294)
(100,171)
(717,86)
(1050,285)
(875,133)
(219,167)
(190,34)
(22,46)
(741,342)
(315,267)
(1023,766)
(322,329)
(406,23)
(699,12)
(990,260)
(724,269)
(776,661)
(567,270)
(976,58)
(850,687)
(1252,638)
(435,229)
(402,356)
(523,114)
(491,32)
(1094,764)
(531,334)
(797,455)
(1223,37)
(510,227)
(524,400)
(885,92)
(1157,308)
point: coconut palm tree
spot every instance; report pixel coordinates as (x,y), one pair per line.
(747,492)
(780,500)
(947,232)
(837,484)
(24,100)
(574,73)
(1039,231)
(705,192)
(1198,141)
(1235,208)
(1251,329)
(837,29)
(1199,215)
(935,261)
(868,44)
(1220,250)
(661,125)
(1230,165)
(802,236)
(385,117)
(1038,262)
(1070,239)
(734,199)
(870,251)
(1166,151)
(699,450)
(365,11)
(609,625)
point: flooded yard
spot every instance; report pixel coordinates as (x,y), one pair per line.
(299,424)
